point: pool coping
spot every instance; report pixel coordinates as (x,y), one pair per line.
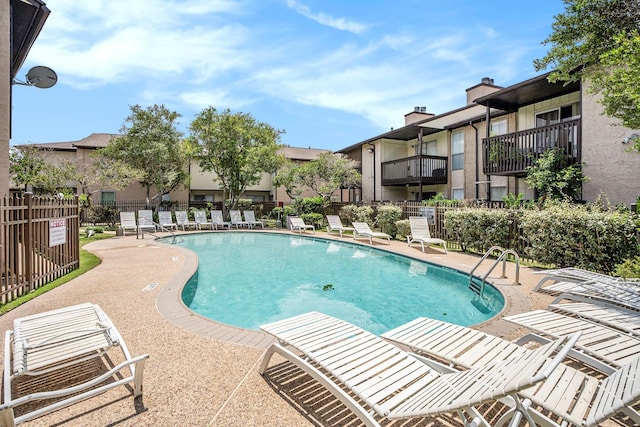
(170,305)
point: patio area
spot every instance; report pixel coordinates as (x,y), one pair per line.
(201,373)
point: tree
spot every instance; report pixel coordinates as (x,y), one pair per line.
(150,144)
(104,173)
(599,41)
(329,172)
(236,147)
(28,168)
(552,178)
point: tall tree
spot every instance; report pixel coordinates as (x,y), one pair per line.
(150,144)
(28,168)
(599,41)
(104,173)
(553,178)
(236,147)
(324,175)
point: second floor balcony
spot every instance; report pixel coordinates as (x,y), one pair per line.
(415,170)
(512,153)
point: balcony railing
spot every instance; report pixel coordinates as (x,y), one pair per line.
(512,153)
(426,170)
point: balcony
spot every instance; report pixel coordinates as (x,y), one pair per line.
(512,153)
(416,170)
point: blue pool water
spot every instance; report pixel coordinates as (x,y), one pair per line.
(248,279)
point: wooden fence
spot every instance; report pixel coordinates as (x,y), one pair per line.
(39,242)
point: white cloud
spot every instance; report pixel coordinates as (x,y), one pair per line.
(342,24)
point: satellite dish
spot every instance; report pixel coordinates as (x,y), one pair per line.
(42,77)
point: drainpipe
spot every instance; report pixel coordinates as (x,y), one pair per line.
(372,150)
(487,121)
(477,156)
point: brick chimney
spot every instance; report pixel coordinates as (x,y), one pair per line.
(485,87)
(418,114)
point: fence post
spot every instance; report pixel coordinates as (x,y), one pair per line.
(28,242)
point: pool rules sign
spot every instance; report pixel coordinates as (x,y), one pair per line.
(57,232)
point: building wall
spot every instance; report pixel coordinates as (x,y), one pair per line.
(612,171)
(5,96)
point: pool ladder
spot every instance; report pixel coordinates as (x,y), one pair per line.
(478,289)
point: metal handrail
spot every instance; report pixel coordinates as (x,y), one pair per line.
(501,257)
(162,228)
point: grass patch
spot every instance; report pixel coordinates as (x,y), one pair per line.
(87,262)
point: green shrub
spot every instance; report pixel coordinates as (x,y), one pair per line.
(629,269)
(567,235)
(311,205)
(479,229)
(353,213)
(403,228)
(387,217)
(102,215)
(314,219)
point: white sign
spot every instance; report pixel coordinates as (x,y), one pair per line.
(57,232)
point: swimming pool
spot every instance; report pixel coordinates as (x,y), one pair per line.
(247,279)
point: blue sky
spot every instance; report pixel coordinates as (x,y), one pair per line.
(330,73)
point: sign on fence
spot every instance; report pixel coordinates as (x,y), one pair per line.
(429,212)
(57,232)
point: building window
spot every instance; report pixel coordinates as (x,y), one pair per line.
(457,194)
(498,128)
(429,148)
(457,150)
(108,198)
(498,193)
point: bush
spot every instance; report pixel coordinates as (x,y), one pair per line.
(567,235)
(353,213)
(311,205)
(403,228)
(102,215)
(479,229)
(629,269)
(314,219)
(387,217)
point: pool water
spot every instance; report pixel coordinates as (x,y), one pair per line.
(247,279)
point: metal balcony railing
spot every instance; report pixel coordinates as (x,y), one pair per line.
(512,153)
(423,169)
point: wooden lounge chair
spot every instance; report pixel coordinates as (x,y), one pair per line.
(217,220)
(250,218)
(50,344)
(570,394)
(182,220)
(200,217)
(607,344)
(236,219)
(336,225)
(362,231)
(166,221)
(297,224)
(420,233)
(394,384)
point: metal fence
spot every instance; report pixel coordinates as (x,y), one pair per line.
(39,242)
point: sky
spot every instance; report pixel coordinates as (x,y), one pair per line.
(329,73)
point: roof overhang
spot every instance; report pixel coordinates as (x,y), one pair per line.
(528,92)
(27,19)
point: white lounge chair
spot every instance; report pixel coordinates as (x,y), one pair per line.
(182,220)
(47,344)
(250,218)
(603,312)
(570,394)
(297,224)
(236,219)
(336,225)
(128,222)
(599,341)
(200,217)
(420,233)
(562,280)
(362,231)
(395,384)
(166,221)
(145,221)
(217,220)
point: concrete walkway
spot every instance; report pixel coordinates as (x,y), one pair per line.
(202,373)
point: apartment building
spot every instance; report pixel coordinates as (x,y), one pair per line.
(481,150)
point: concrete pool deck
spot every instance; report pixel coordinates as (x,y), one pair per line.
(202,373)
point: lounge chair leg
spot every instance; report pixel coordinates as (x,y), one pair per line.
(137,378)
